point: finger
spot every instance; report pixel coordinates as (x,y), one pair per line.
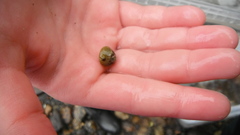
(159,16)
(20,109)
(177,38)
(179,66)
(153,98)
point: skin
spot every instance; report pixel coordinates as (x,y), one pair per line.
(54,45)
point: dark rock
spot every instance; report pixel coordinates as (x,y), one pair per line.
(81,131)
(105,119)
(56,120)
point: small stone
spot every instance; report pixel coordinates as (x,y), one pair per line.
(67,132)
(77,124)
(56,120)
(158,121)
(142,131)
(121,115)
(105,119)
(79,112)
(145,123)
(90,126)
(128,127)
(66,114)
(158,130)
(135,119)
(47,109)
(81,131)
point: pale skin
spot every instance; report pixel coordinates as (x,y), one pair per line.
(54,46)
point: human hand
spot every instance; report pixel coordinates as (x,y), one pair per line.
(55,46)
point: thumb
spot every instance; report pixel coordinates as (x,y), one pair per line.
(20,110)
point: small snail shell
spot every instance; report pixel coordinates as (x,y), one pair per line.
(107,56)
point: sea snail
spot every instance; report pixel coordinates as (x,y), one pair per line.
(107,56)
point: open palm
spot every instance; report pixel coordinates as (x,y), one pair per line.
(55,46)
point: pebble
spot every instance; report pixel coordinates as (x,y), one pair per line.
(128,127)
(145,122)
(77,124)
(90,126)
(66,132)
(105,119)
(143,131)
(47,109)
(66,114)
(158,121)
(80,132)
(79,112)
(135,119)
(109,122)
(56,120)
(159,130)
(121,115)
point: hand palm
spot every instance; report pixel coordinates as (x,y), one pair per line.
(79,45)
(61,43)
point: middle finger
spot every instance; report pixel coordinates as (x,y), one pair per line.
(177,38)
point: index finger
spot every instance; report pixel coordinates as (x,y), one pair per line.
(159,16)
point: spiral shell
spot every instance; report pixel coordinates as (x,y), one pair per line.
(107,56)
